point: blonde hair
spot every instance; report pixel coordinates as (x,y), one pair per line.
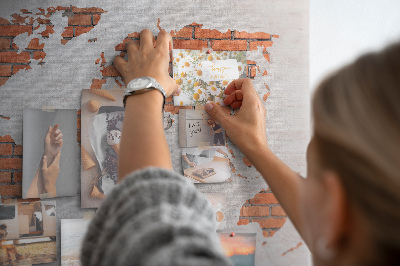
(357,134)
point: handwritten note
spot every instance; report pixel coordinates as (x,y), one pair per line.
(194,128)
(219,70)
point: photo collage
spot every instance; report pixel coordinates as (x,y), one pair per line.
(51,165)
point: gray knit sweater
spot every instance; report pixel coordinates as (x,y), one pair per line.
(153,217)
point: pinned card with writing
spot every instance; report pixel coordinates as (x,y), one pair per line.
(198,129)
(203,76)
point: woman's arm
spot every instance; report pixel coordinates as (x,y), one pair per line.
(251,122)
(143,141)
(36,188)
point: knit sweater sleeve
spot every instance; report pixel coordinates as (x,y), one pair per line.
(153,217)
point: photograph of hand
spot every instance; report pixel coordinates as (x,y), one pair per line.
(53,142)
(44,182)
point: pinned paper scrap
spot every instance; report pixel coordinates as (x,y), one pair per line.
(88,215)
(48,108)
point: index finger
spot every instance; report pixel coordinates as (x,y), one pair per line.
(164,41)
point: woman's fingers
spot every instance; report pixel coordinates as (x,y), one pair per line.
(177,92)
(236,105)
(234,85)
(59,142)
(131,48)
(146,40)
(59,136)
(237,95)
(120,63)
(246,97)
(164,41)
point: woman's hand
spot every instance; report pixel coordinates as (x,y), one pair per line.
(148,59)
(53,143)
(50,174)
(247,129)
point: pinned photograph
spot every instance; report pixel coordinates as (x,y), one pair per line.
(50,154)
(198,129)
(240,248)
(102,114)
(28,233)
(206,165)
(204,75)
(218,201)
(72,234)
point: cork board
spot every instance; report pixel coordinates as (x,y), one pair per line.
(50,51)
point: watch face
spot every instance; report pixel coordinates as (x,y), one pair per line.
(140,83)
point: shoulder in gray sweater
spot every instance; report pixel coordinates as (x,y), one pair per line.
(153,217)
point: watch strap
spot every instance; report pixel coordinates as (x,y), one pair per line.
(153,86)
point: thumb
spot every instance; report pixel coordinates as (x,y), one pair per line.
(218,113)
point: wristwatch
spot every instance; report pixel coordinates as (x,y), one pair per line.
(142,85)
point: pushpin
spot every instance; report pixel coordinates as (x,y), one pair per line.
(209,51)
(232,234)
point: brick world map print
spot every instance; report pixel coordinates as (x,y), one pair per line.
(71,47)
(80,21)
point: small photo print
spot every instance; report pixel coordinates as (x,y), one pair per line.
(102,114)
(51,158)
(209,165)
(28,233)
(203,76)
(9,222)
(73,232)
(240,248)
(218,201)
(198,129)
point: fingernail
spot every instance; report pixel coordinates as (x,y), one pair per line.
(209,106)
(44,157)
(179,90)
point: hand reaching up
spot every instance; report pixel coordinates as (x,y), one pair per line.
(52,143)
(247,129)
